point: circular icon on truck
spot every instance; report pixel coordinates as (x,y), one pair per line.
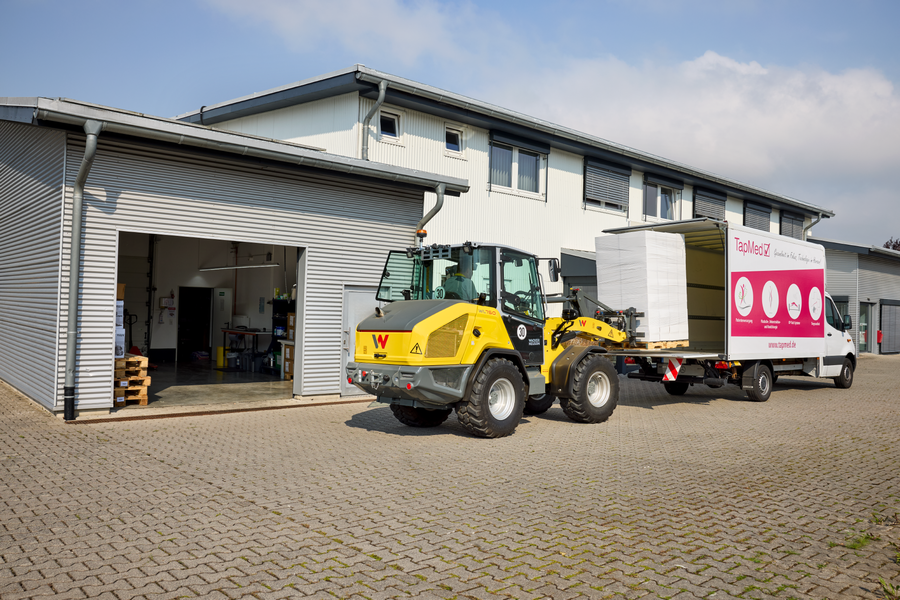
(521,332)
(743,296)
(815,303)
(794,301)
(770,299)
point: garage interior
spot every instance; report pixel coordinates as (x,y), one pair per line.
(216,320)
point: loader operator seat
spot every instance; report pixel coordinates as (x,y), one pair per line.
(459,286)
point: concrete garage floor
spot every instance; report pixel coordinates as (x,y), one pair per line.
(200,384)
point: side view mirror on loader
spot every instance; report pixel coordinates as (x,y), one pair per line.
(553,267)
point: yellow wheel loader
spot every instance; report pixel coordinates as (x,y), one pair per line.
(465,328)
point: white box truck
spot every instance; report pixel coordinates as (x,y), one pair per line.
(756,308)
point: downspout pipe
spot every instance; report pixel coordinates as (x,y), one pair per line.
(420,226)
(92,129)
(382,89)
(810,226)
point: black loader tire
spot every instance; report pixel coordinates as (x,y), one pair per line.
(762,385)
(419,417)
(676,388)
(596,391)
(475,413)
(845,379)
(539,404)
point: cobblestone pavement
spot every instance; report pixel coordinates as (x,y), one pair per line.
(703,496)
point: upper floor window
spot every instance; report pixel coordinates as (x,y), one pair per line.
(709,204)
(515,168)
(791,225)
(389,126)
(453,140)
(757,216)
(659,201)
(606,186)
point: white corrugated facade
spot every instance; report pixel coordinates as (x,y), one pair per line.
(31,182)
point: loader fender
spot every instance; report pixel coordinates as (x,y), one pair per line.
(490,353)
(561,370)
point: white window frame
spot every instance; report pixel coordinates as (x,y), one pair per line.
(677,196)
(543,160)
(398,118)
(461,132)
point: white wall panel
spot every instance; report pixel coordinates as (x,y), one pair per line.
(330,123)
(346,225)
(841,279)
(879,278)
(31,178)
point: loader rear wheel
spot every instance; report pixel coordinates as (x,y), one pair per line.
(495,406)
(596,391)
(762,385)
(539,404)
(419,417)
(676,388)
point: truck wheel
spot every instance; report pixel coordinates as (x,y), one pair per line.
(539,404)
(762,385)
(845,379)
(676,388)
(419,417)
(494,408)
(596,391)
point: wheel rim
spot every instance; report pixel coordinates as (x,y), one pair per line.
(501,399)
(764,384)
(598,389)
(847,373)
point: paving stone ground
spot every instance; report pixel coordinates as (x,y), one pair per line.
(703,496)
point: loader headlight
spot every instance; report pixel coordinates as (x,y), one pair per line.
(450,377)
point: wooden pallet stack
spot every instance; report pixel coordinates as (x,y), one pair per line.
(131,380)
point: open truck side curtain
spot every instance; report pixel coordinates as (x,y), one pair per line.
(757,309)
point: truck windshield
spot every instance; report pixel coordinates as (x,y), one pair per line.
(456,275)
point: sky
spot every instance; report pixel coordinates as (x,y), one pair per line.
(798,97)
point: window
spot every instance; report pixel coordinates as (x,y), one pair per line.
(390,126)
(709,204)
(791,225)
(832,316)
(453,140)
(520,288)
(659,201)
(514,165)
(606,187)
(757,216)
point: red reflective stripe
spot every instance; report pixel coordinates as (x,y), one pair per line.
(672,369)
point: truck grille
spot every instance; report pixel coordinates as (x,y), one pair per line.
(444,342)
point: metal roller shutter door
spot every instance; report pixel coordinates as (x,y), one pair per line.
(347,226)
(31,177)
(890,329)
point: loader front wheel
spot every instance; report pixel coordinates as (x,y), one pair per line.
(419,417)
(596,391)
(539,404)
(495,406)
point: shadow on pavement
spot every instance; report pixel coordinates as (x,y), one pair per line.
(381,419)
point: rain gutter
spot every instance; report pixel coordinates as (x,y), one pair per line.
(382,90)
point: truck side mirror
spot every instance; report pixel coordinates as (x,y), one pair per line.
(553,267)
(848,324)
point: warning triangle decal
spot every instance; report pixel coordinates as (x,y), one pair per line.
(416,350)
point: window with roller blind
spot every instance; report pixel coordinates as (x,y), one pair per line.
(606,186)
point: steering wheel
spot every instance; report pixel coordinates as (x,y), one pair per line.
(452,296)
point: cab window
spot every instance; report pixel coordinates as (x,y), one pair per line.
(520,288)
(832,316)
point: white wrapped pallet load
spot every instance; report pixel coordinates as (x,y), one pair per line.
(646,270)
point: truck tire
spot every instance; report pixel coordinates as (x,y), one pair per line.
(676,388)
(495,405)
(762,385)
(539,404)
(845,379)
(595,389)
(419,417)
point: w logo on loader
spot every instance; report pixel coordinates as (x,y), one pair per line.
(380,341)
(583,322)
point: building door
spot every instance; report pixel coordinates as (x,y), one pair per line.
(359,303)
(890,328)
(866,342)
(194,313)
